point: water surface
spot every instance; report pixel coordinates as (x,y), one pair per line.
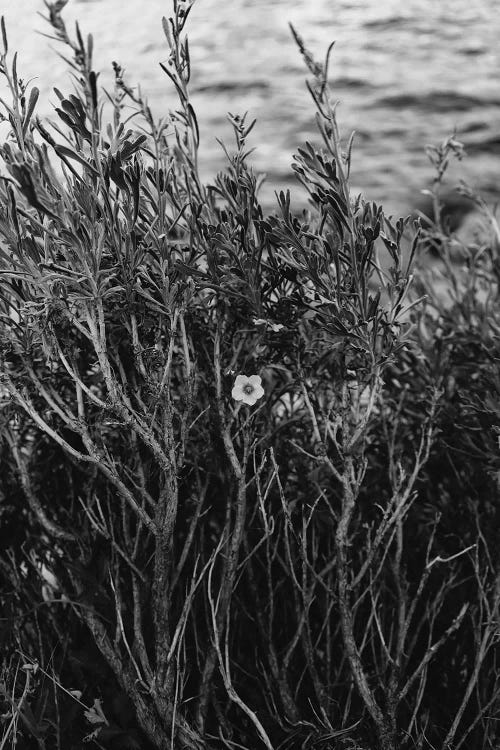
(406,74)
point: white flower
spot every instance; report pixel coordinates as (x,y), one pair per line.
(247,389)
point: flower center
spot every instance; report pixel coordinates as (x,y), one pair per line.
(248,388)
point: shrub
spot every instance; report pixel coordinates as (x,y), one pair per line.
(299,557)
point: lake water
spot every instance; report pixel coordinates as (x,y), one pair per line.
(406,74)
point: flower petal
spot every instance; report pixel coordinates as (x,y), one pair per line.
(258,392)
(241,380)
(250,399)
(237,393)
(255,380)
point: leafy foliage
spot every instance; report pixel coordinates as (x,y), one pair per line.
(318,569)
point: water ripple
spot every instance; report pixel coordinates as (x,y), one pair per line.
(404,78)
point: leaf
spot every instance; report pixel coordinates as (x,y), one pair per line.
(92,736)
(349,152)
(166,31)
(15,77)
(93,88)
(95,714)
(194,122)
(65,151)
(13,204)
(34,94)
(4,36)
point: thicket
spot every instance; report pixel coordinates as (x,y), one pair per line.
(249,463)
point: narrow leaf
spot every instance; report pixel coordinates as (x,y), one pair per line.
(166,31)
(14,74)
(93,88)
(34,94)
(64,151)
(4,36)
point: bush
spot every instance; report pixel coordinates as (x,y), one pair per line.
(249,473)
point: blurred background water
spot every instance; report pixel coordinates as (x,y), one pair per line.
(406,73)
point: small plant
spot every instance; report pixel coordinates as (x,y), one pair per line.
(235,506)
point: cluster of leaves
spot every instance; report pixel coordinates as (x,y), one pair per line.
(301,573)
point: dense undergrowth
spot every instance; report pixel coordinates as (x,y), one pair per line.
(190,560)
